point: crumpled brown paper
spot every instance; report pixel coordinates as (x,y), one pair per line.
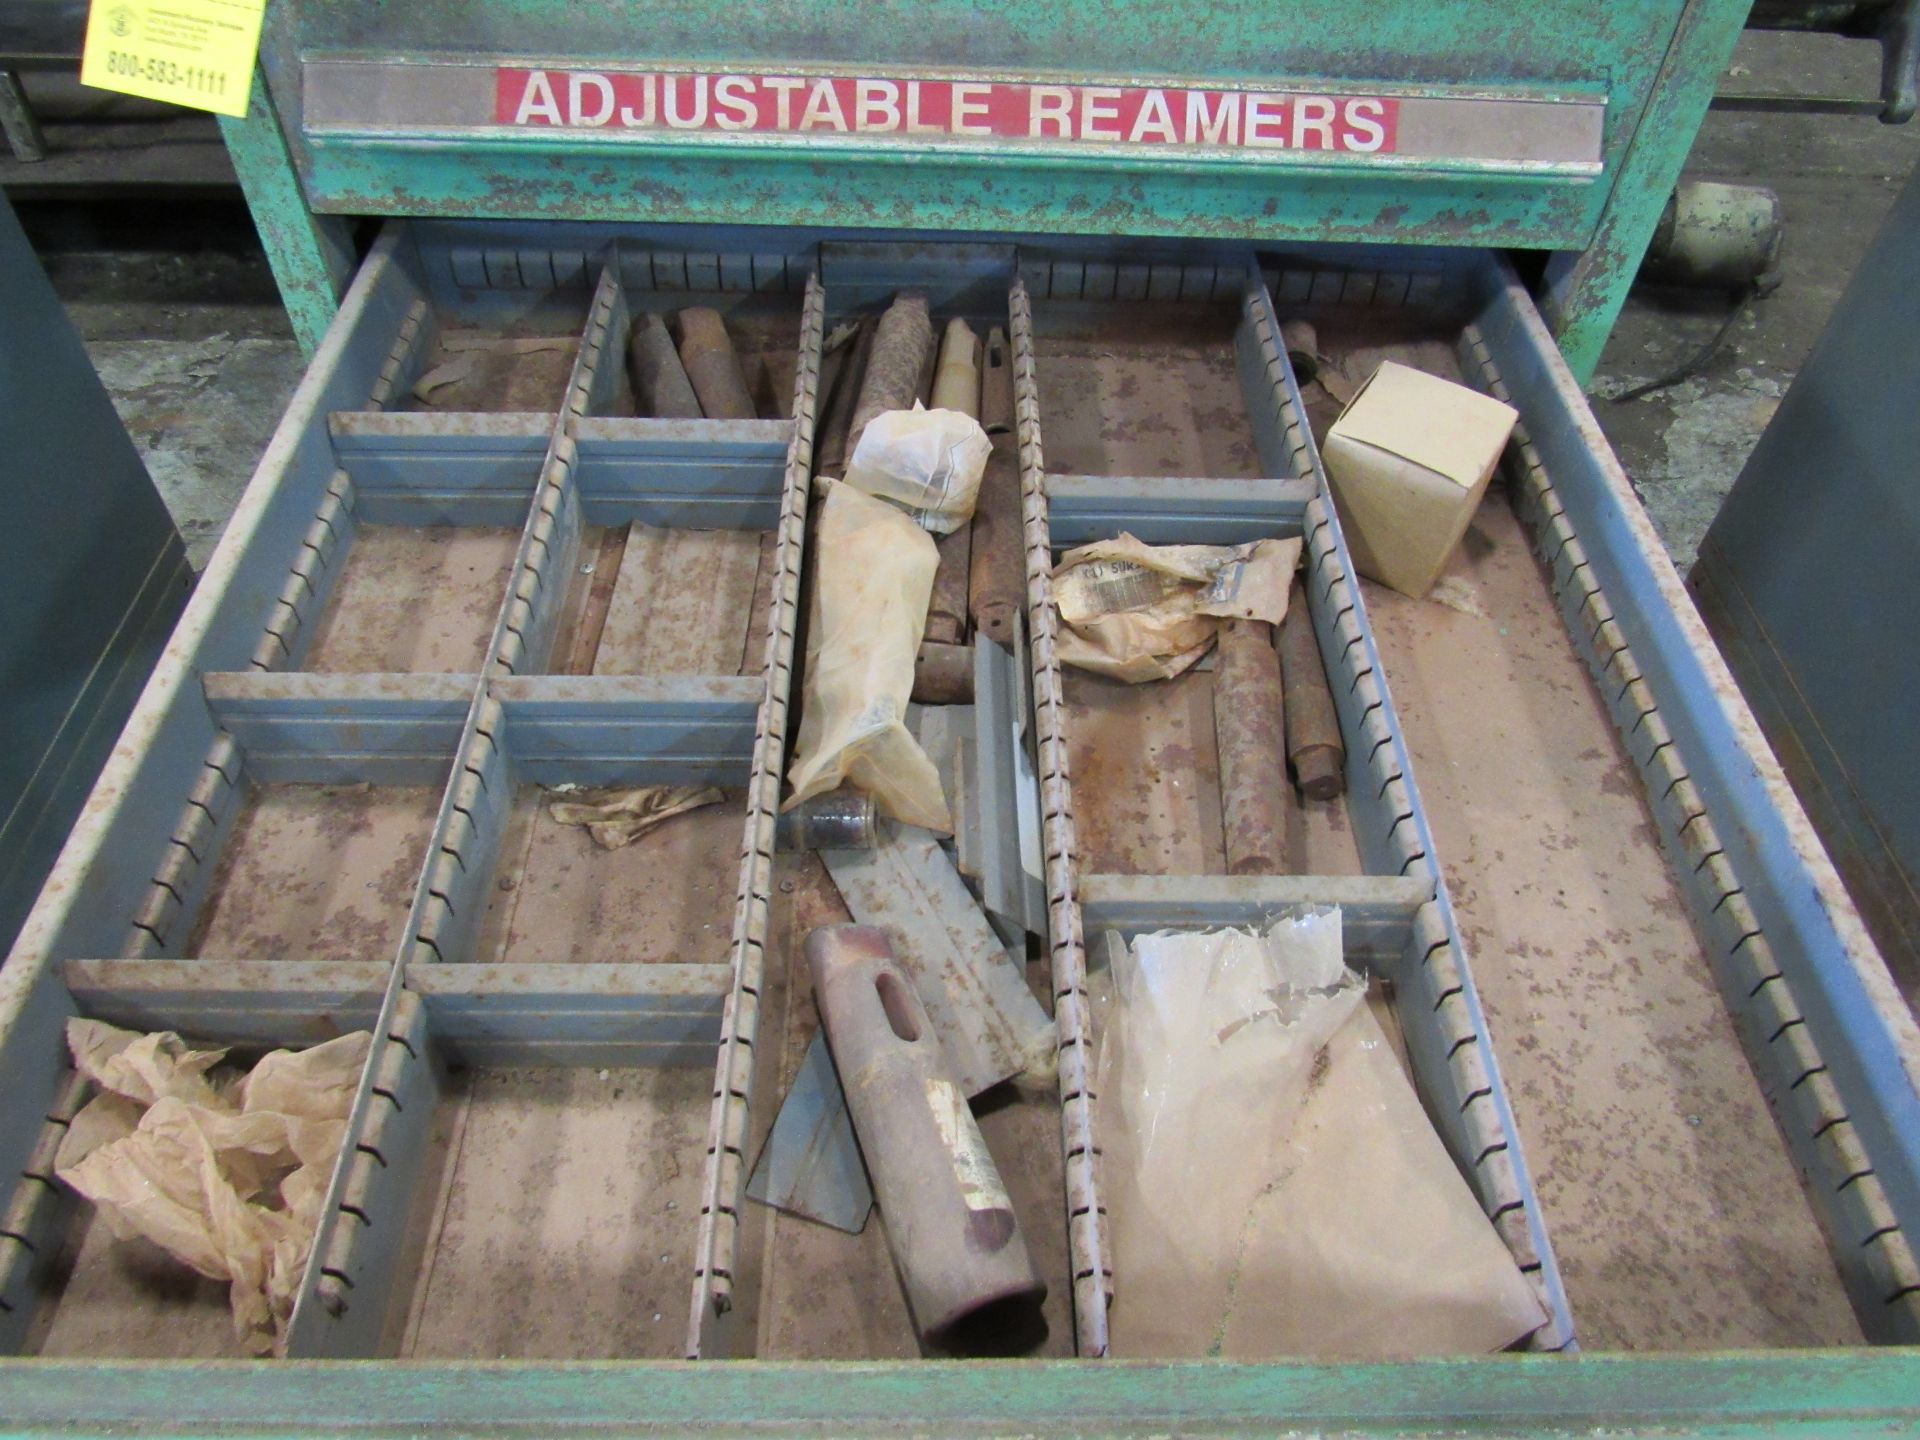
(864,626)
(1274,1186)
(616,818)
(228,1178)
(1141,612)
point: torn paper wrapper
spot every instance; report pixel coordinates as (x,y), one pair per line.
(1273,1185)
(616,818)
(226,1174)
(927,462)
(869,609)
(1139,612)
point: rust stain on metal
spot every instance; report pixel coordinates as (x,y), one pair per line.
(1249,728)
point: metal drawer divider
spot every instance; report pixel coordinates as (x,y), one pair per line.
(1810,1082)
(725,1178)
(275,723)
(524,722)
(138,858)
(1404,921)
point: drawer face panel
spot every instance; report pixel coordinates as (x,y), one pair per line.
(471,591)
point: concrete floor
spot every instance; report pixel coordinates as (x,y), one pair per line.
(178,310)
(1836,176)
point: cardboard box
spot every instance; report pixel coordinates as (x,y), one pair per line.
(1409,459)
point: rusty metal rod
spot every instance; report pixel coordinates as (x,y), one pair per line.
(955,1238)
(1248,727)
(902,346)
(943,674)
(713,367)
(947,610)
(660,385)
(997,569)
(1314,745)
(830,453)
(996,384)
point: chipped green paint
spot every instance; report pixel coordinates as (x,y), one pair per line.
(310,254)
(1841,1392)
(1584,291)
(1655,60)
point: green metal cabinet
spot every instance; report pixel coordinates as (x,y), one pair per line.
(418,136)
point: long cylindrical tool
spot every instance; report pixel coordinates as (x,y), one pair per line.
(996,384)
(1249,729)
(950,1224)
(660,385)
(713,367)
(997,573)
(1314,746)
(956,378)
(901,347)
(997,568)
(830,452)
(943,674)
(947,609)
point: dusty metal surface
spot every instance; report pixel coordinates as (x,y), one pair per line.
(559,897)
(421,599)
(520,368)
(1119,401)
(316,872)
(1620,1053)
(131,1302)
(565,1225)
(683,605)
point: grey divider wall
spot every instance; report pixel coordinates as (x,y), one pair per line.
(1377,912)
(107,870)
(274,728)
(1439,1008)
(295,727)
(1404,926)
(723,1184)
(526,727)
(225,712)
(422,468)
(1831,1039)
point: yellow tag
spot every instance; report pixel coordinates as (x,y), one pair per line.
(191,52)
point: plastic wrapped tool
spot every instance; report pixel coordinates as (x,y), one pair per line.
(928,462)
(1274,1187)
(863,632)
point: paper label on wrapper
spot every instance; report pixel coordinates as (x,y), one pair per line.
(973,1167)
(1142,612)
(198,53)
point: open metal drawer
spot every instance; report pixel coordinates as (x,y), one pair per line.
(328,814)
